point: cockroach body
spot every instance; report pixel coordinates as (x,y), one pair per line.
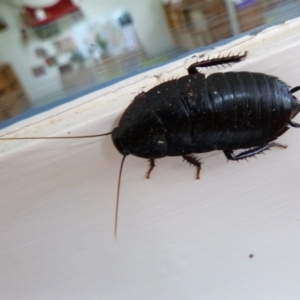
(194,114)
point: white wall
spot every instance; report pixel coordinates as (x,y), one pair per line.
(148,16)
(22,57)
(149,22)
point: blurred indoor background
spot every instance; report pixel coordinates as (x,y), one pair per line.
(52,51)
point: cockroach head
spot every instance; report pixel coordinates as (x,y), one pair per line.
(117,140)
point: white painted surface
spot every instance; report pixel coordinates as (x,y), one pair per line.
(178,238)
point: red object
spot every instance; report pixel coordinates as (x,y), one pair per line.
(53,12)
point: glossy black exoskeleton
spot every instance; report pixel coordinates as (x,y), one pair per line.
(195,114)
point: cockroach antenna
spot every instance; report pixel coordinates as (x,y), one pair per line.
(118,196)
(55,137)
(79,137)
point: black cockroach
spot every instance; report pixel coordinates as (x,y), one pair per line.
(195,114)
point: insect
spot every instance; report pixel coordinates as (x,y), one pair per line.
(197,114)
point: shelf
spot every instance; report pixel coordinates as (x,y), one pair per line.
(13,99)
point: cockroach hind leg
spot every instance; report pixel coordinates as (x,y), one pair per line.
(220,60)
(151,167)
(193,160)
(295,89)
(251,152)
(278,145)
(294,124)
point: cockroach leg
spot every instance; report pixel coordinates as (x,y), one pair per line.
(294,124)
(192,69)
(193,160)
(251,152)
(151,167)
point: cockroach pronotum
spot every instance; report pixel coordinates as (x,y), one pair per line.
(194,114)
